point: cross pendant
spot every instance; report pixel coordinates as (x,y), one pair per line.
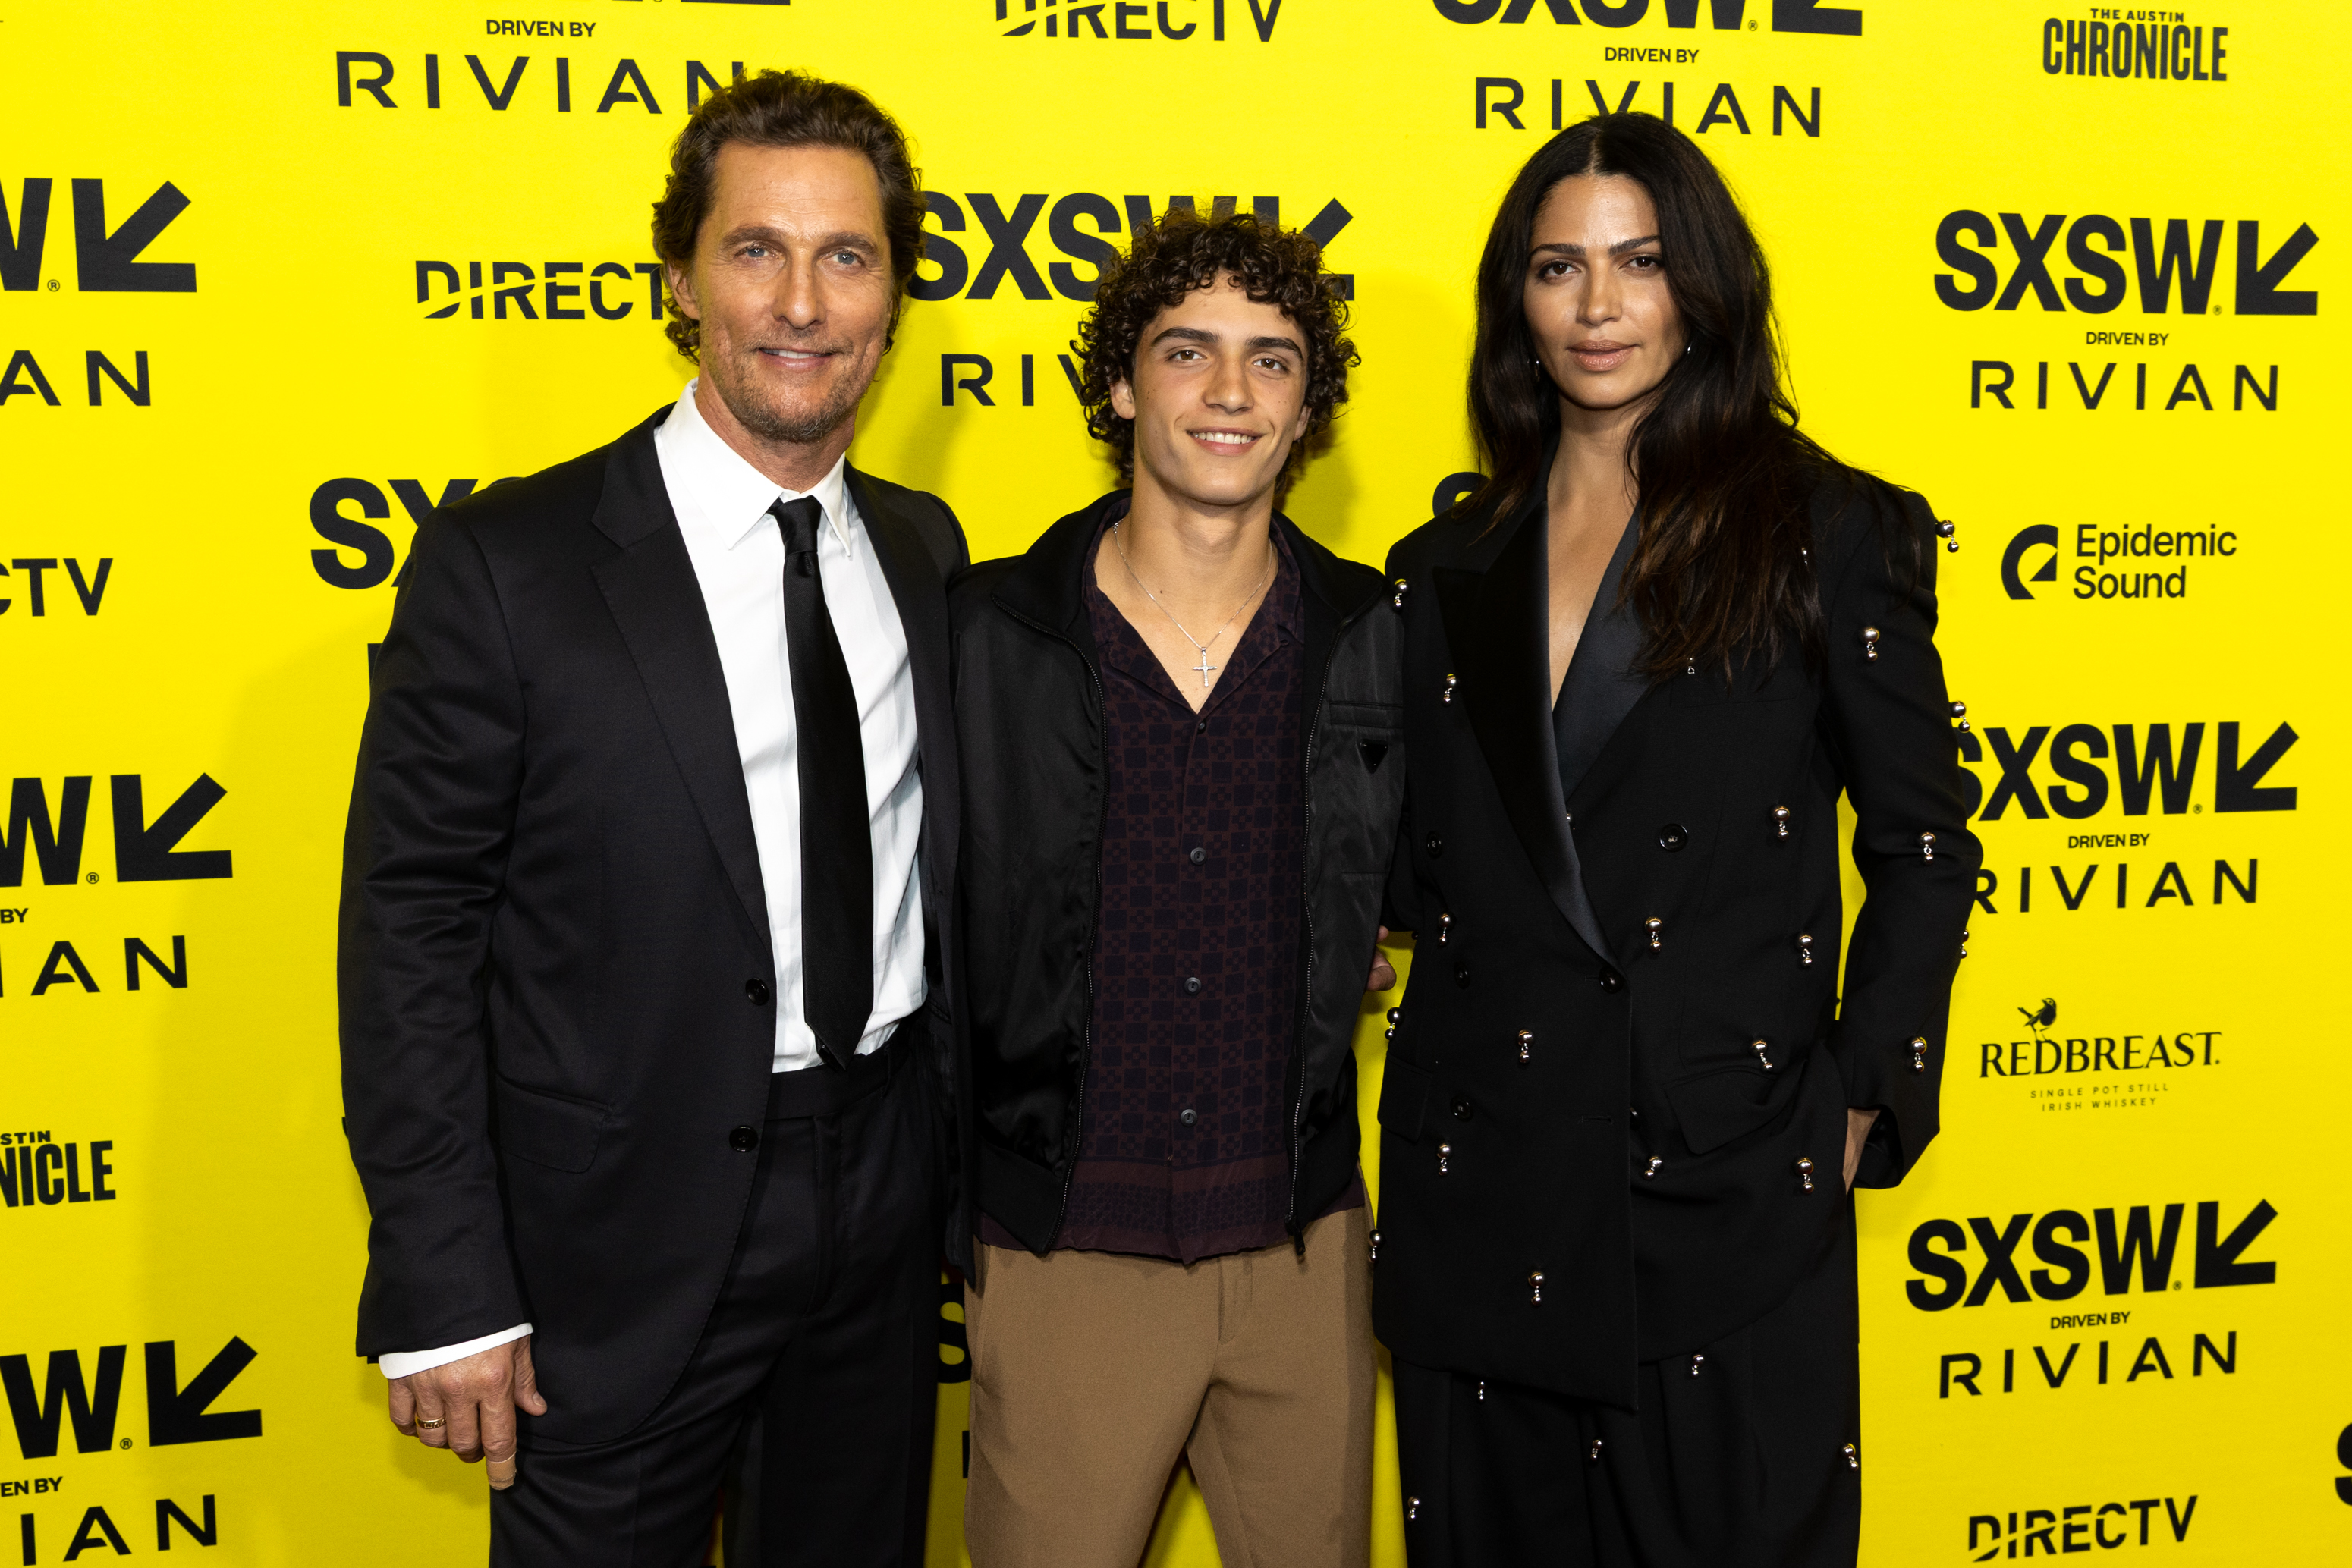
(1204,667)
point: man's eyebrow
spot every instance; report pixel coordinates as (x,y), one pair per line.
(1202,335)
(779,239)
(1566,247)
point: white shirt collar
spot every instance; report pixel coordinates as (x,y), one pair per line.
(735,496)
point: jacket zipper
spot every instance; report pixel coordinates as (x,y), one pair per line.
(1087,1035)
(1307,909)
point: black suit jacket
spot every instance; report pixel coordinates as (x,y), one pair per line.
(1568,1096)
(555,969)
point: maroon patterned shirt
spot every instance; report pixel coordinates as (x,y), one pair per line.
(1185,1151)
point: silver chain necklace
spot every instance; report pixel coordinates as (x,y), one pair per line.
(1204,667)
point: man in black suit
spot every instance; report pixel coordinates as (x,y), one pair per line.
(646,1054)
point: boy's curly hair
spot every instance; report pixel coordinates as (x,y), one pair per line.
(1182,252)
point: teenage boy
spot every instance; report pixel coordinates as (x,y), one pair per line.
(1180,724)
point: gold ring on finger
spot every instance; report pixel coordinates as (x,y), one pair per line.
(431,1423)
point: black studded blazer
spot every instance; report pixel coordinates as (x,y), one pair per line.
(1614,1118)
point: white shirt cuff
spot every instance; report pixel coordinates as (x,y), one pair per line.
(404,1363)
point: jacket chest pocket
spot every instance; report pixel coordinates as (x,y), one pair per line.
(1359,786)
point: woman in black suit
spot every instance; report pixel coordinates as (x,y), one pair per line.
(1625,1100)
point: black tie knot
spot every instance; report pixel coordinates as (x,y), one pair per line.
(799,521)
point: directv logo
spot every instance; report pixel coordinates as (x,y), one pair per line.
(1175,19)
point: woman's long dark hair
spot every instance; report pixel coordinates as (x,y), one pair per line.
(1726,479)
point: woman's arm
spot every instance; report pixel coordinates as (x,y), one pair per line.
(1887,720)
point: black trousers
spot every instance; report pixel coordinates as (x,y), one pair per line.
(1742,1454)
(810,1393)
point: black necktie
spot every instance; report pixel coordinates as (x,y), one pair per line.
(836,842)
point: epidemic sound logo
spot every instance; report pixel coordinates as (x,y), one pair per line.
(2058,1238)
(2072,1528)
(2157,773)
(105,262)
(91,1405)
(2095,547)
(144,851)
(2095,243)
(2145,47)
(1177,20)
(1008,259)
(1723,15)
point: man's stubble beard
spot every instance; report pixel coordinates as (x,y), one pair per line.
(757,414)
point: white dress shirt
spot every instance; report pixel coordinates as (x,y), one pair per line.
(738,551)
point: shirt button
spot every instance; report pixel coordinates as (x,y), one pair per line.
(1198,855)
(1188,1116)
(756,992)
(1192,985)
(743,1139)
(1201,727)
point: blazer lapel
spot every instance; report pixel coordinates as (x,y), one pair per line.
(1497,623)
(917,582)
(1601,687)
(653,594)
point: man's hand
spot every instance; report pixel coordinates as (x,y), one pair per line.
(1857,1133)
(1384,974)
(468,1407)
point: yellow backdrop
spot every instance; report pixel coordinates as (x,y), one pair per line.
(280,279)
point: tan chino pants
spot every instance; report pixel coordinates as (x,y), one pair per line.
(1093,1371)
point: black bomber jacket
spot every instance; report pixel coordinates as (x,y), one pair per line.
(1029,719)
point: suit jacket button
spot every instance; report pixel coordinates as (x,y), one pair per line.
(743,1139)
(1673,836)
(1462,973)
(756,992)
(1611,981)
(1435,845)
(1461,1110)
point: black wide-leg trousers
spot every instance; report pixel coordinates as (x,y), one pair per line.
(1745,1454)
(810,1393)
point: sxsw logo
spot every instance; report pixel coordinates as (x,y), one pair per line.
(88,1403)
(2141,1248)
(2185,263)
(2160,772)
(1007,260)
(1176,20)
(106,261)
(374,546)
(1723,15)
(144,851)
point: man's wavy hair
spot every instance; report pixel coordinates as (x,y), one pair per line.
(787,108)
(1180,253)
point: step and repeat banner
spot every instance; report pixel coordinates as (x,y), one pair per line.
(278,280)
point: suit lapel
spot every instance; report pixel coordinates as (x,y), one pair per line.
(1601,687)
(917,582)
(653,594)
(1497,624)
